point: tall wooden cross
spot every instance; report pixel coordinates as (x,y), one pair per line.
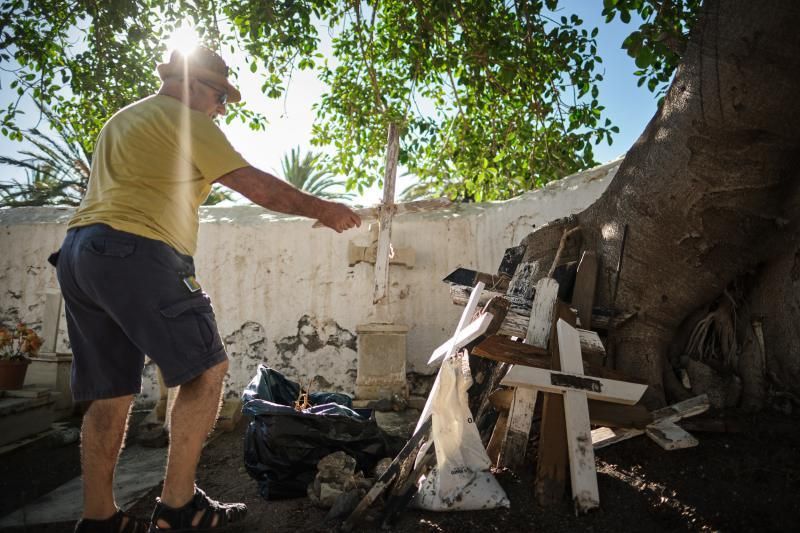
(380,295)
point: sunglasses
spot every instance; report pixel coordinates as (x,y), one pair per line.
(222,96)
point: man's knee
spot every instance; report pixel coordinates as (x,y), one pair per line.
(213,375)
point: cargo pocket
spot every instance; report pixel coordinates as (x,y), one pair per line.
(110,247)
(192,326)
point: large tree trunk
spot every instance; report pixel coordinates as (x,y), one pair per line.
(710,192)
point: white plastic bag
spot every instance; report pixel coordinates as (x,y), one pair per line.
(461,480)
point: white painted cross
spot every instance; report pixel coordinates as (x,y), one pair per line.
(576,388)
(448,349)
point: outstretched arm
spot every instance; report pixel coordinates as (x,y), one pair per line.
(276,195)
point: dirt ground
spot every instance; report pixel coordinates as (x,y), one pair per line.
(744,481)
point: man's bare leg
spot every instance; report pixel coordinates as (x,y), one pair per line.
(102,432)
(193,416)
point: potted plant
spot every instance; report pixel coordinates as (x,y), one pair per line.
(16,346)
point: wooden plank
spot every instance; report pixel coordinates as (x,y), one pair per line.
(618,415)
(583,476)
(417,206)
(494,447)
(591,346)
(520,416)
(609,390)
(601,316)
(381,289)
(602,437)
(552,466)
(542,313)
(583,293)
(502,348)
(670,436)
(686,408)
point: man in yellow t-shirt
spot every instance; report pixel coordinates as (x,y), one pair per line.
(127,275)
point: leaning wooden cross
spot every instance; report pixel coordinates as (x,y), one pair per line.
(576,388)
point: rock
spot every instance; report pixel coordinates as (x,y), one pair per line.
(335,476)
(399,403)
(382,466)
(328,494)
(336,466)
(345,504)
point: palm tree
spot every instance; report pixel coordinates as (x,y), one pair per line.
(307,175)
(57,171)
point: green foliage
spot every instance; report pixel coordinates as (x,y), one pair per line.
(308,174)
(218,194)
(660,41)
(493,97)
(57,172)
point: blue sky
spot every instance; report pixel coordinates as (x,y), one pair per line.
(628,106)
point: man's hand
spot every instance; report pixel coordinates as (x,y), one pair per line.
(338,217)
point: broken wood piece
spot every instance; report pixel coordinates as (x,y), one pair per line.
(486,323)
(520,416)
(619,415)
(602,437)
(591,345)
(583,475)
(467,277)
(406,455)
(521,287)
(601,316)
(494,447)
(475,329)
(502,348)
(670,435)
(405,487)
(542,312)
(512,257)
(583,294)
(609,390)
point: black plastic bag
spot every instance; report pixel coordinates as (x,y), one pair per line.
(282,446)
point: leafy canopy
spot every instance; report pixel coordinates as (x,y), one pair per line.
(493,97)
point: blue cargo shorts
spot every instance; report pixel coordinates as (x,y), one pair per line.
(127,296)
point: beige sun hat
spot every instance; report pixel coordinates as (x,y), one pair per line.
(202,63)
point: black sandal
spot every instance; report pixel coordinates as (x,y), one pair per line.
(180,519)
(113,524)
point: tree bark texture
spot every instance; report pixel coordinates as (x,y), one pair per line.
(709,191)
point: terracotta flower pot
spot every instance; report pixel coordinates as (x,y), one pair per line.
(12,373)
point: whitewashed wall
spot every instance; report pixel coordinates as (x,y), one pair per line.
(283,292)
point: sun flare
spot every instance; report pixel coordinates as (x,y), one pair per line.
(184,39)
